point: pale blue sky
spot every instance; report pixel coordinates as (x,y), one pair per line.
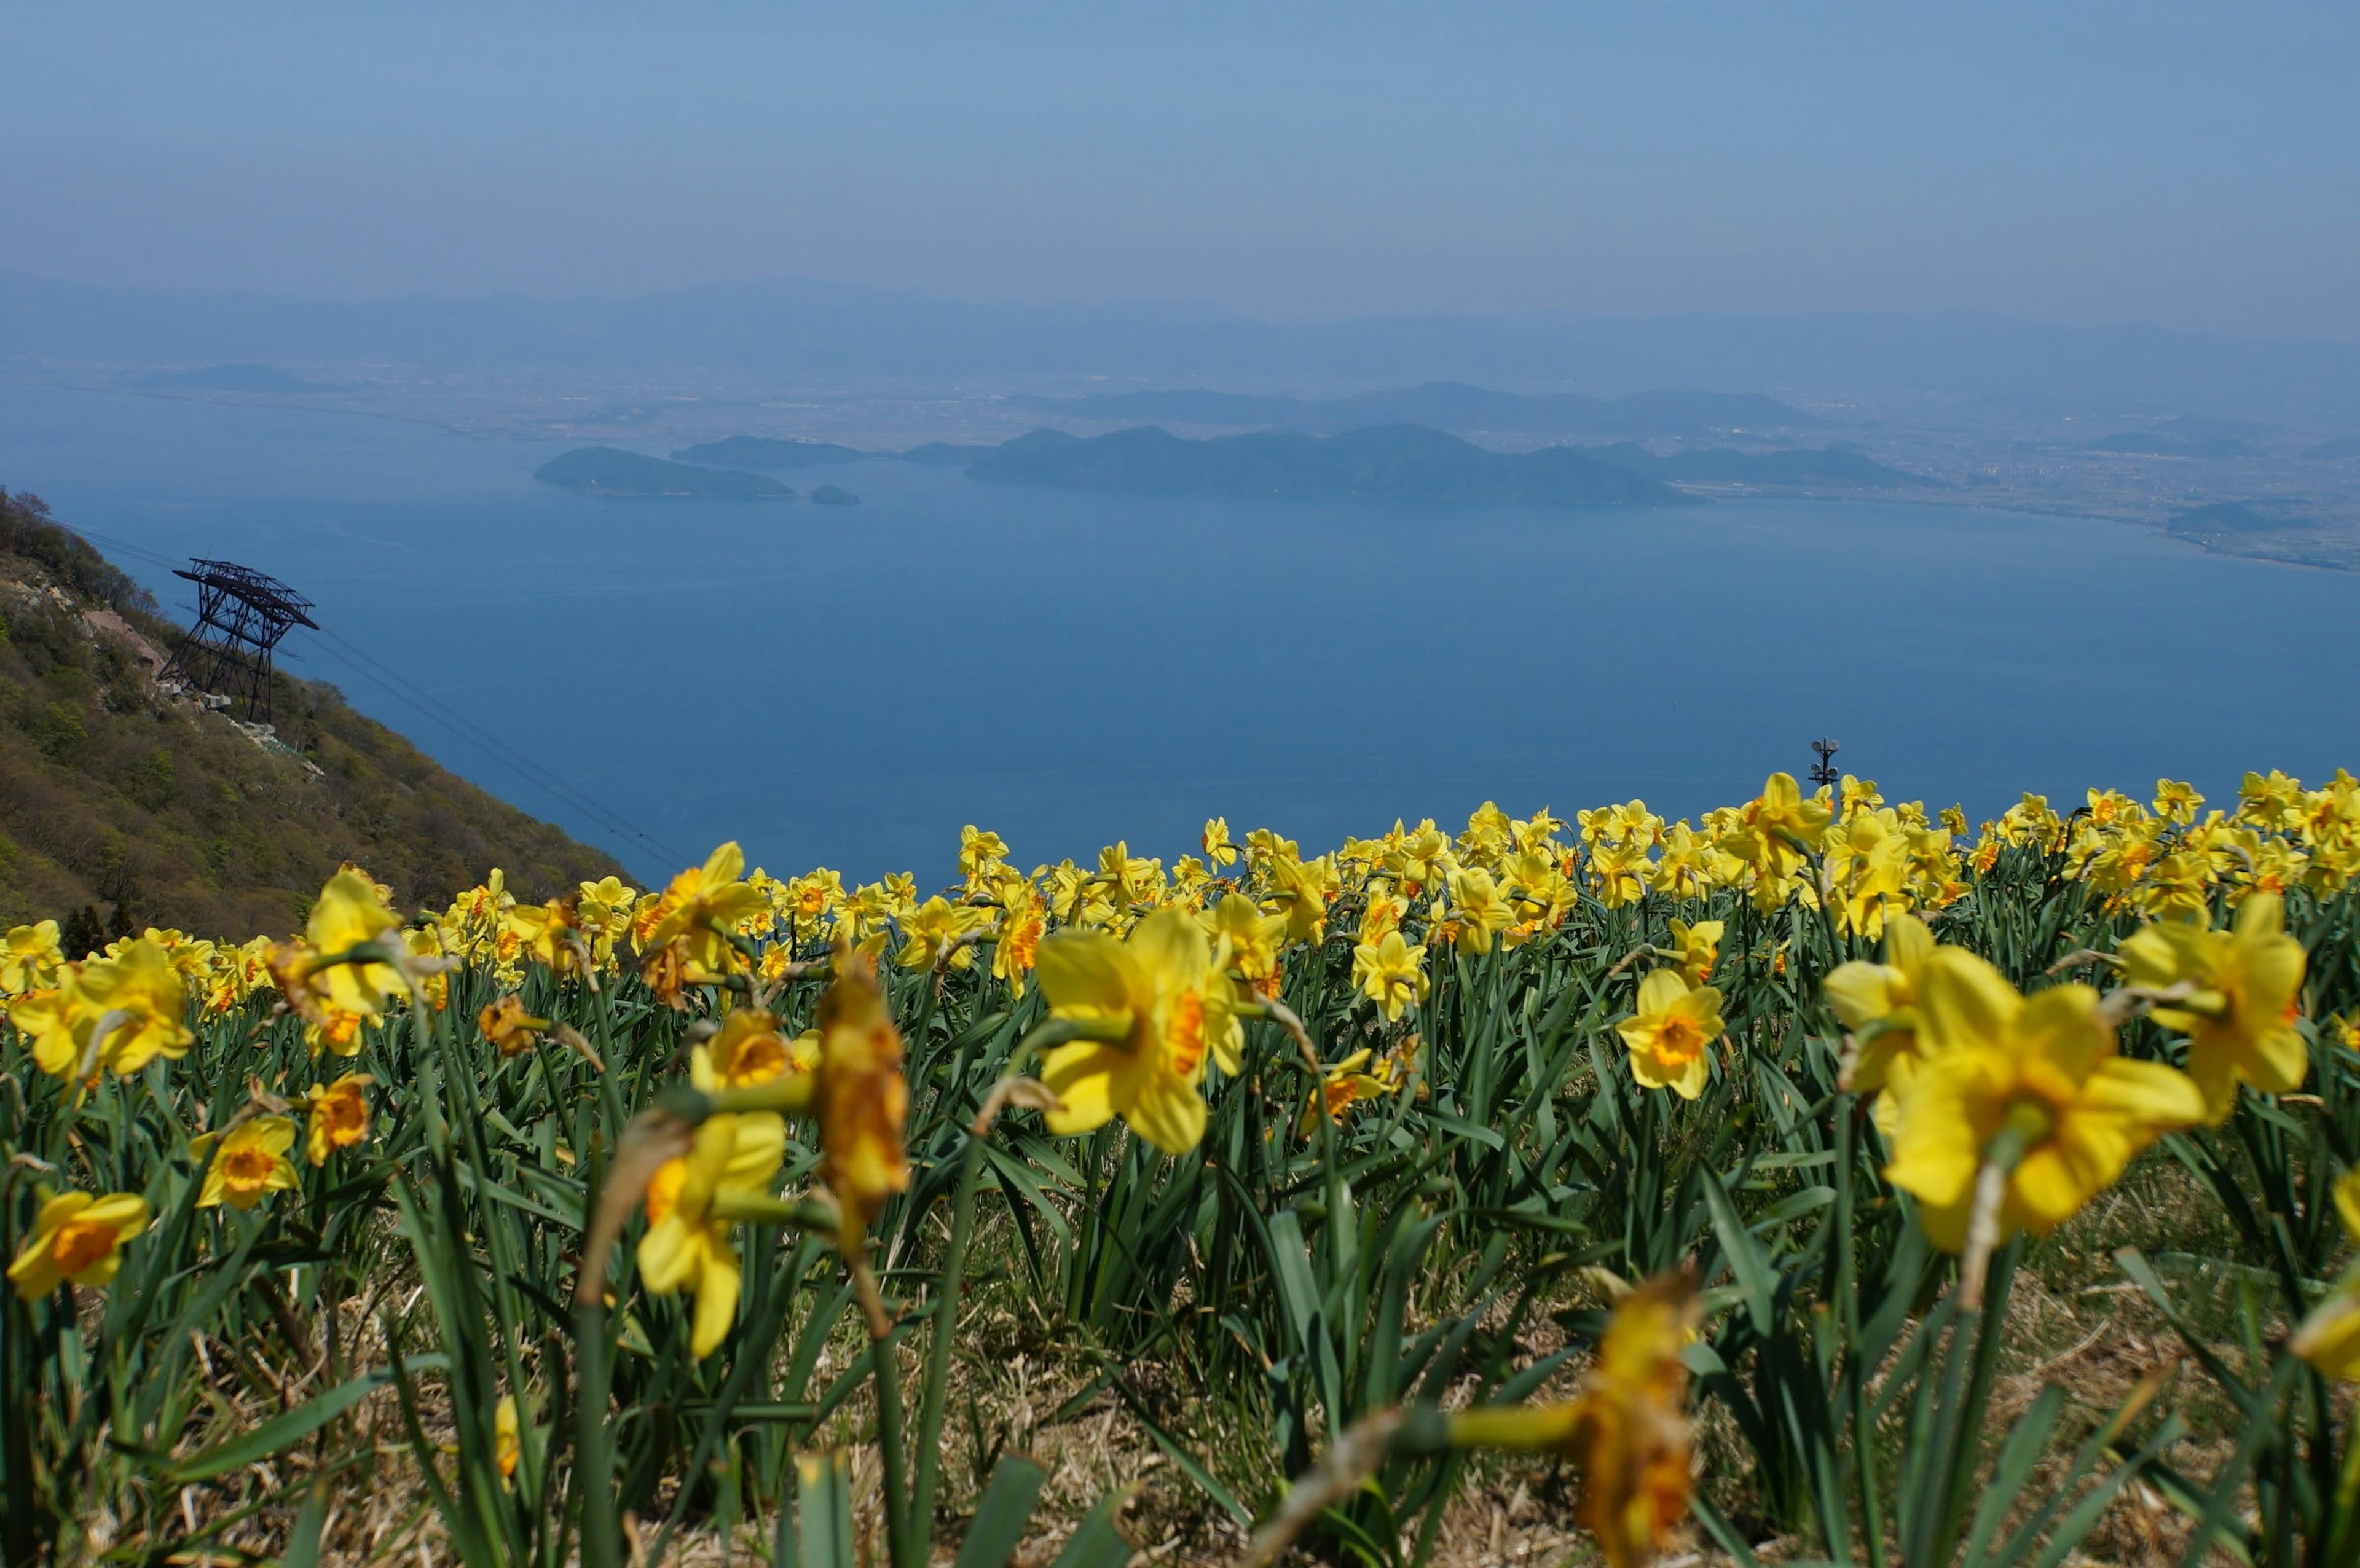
(2197,164)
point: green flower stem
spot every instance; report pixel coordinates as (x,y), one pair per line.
(900,1551)
(946,1325)
(594,1458)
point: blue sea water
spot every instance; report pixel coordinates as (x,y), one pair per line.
(848,686)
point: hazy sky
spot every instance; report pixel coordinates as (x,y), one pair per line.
(2197,164)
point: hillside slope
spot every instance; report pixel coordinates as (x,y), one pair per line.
(148,811)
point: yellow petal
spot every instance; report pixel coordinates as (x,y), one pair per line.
(1962,1001)
(1907,943)
(1087,969)
(1167,1113)
(716,1298)
(1862,992)
(1660,989)
(1092,1081)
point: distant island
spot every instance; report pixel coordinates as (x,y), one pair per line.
(834,495)
(1403,462)
(610,471)
(1798,466)
(764,451)
(1446,406)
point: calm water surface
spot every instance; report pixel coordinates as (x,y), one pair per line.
(848,687)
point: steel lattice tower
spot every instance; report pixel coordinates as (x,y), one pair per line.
(246,613)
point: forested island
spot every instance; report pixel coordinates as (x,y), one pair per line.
(610,471)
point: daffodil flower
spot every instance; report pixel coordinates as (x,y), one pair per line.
(2246,987)
(1346,1085)
(1627,1432)
(687,1241)
(1155,1009)
(1878,1002)
(30,958)
(336,1116)
(118,1013)
(1668,1034)
(1390,972)
(249,1162)
(862,1101)
(78,1239)
(1696,948)
(2041,1069)
(349,914)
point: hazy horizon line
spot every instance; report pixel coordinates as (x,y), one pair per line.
(1122,305)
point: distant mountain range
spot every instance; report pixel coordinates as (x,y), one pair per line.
(761,452)
(801,332)
(611,471)
(1400,463)
(1446,406)
(2331,450)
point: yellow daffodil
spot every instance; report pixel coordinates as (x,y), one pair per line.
(2177,802)
(508,1027)
(2044,1071)
(508,1438)
(689,1215)
(979,848)
(1391,973)
(1302,890)
(336,1116)
(1696,948)
(551,934)
(30,958)
(1773,832)
(249,1162)
(1420,857)
(1160,1004)
(604,911)
(941,933)
(1346,1085)
(1878,1003)
(1478,912)
(1620,871)
(1022,922)
(351,912)
(76,1238)
(1690,866)
(1627,1432)
(863,1101)
(1214,842)
(118,1014)
(1246,941)
(749,1049)
(2246,986)
(689,927)
(1668,1034)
